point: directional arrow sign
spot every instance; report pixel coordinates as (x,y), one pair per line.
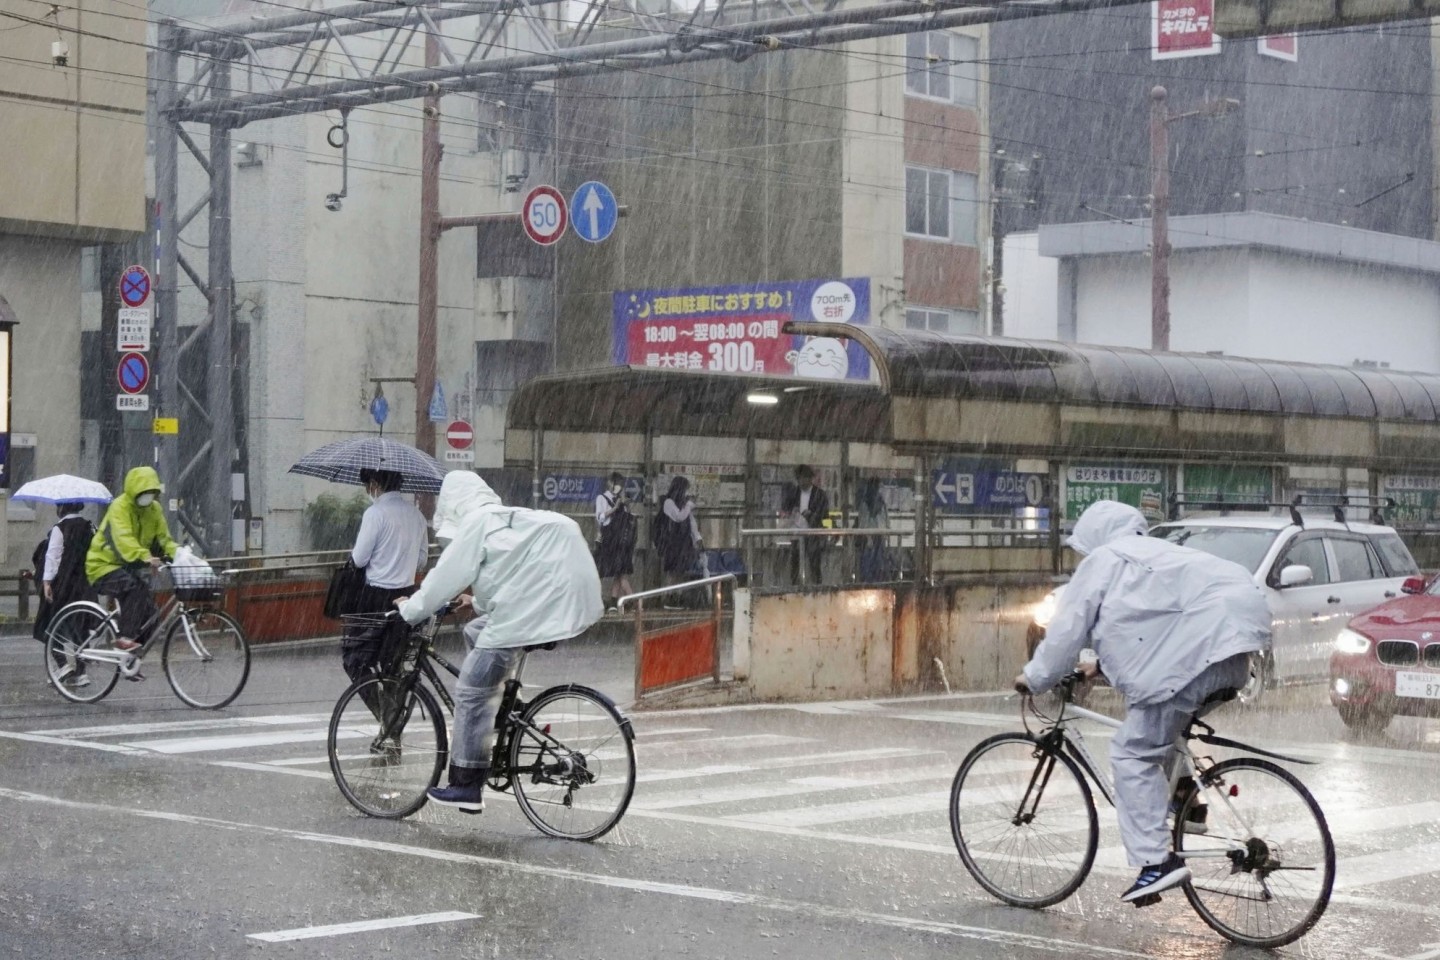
(593,211)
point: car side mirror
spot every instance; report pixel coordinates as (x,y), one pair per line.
(1413,585)
(1295,575)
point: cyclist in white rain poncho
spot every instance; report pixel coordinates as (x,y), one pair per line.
(533,581)
(1171,626)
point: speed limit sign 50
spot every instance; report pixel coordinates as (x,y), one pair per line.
(544,215)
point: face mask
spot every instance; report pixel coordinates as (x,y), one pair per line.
(145,499)
(616,488)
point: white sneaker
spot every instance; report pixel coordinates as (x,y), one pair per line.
(67,675)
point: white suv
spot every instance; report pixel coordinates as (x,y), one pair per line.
(1315,578)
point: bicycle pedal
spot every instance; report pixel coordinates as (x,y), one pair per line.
(1146,901)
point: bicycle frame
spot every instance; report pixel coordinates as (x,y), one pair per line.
(1062,735)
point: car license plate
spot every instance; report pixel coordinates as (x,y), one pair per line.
(1423,685)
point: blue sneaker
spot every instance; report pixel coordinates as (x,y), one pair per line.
(468,798)
(1155,879)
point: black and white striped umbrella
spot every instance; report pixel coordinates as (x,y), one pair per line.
(342,461)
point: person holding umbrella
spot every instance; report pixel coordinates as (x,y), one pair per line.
(132,533)
(392,548)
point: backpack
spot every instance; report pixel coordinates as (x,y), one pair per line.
(660,529)
(621,530)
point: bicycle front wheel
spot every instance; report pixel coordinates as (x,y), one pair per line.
(1023,820)
(386,746)
(1262,871)
(73,663)
(572,760)
(206,658)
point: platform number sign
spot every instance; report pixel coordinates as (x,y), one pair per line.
(544,215)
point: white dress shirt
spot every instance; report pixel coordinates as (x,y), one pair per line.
(393,544)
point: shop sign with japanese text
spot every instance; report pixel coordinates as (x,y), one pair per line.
(737,329)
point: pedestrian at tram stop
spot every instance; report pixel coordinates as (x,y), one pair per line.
(676,535)
(60,563)
(132,534)
(615,546)
(392,548)
(531,581)
(807,507)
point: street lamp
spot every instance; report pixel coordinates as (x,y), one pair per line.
(1160,119)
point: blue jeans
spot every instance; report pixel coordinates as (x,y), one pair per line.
(477,700)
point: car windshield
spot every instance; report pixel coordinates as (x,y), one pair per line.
(1246,546)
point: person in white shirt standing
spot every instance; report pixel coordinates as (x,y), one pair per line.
(615,545)
(392,547)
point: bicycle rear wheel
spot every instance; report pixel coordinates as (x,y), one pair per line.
(572,763)
(387,746)
(208,665)
(1025,824)
(75,634)
(1262,873)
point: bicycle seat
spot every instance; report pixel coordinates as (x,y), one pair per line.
(541,646)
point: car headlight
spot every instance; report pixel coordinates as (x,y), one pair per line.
(1348,641)
(1044,610)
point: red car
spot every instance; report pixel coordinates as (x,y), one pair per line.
(1386,662)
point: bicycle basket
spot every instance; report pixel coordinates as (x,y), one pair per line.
(399,641)
(198,584)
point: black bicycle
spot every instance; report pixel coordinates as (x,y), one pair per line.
(1257,844)
(568,754)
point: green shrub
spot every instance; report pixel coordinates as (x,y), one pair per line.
(332,523)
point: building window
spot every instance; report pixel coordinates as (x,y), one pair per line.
(941,205)
(942,321)
(942,66)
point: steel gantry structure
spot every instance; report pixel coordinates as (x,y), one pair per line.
(197,64)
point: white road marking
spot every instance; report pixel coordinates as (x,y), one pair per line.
(933,801)
(1387,865)
(1009,938)
(181,726)
(797,787)
(267,768)
(243,741)
(361,926)
(65,742)
(780,763)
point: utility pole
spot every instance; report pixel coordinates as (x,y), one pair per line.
(1159,220)
(427,306)
(997,245)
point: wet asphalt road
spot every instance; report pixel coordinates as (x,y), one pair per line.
(815,831)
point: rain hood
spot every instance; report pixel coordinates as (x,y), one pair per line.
(1104,521)
(1157,614)
(129,534)
(530,571)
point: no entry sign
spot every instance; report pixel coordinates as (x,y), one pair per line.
(544,215)
(459,435)
(133,373)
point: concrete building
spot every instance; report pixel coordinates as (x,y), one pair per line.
(72,143)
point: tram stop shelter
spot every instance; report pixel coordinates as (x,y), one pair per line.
(953,427)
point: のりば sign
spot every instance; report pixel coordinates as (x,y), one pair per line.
(1182,28)
(738,329)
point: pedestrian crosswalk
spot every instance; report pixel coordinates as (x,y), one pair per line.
(798,780)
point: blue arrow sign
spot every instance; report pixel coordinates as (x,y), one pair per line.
(438,411)
(593,211)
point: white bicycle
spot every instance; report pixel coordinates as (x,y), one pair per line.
(1261,857)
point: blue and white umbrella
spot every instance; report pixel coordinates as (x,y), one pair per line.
(342,461)
(63,488)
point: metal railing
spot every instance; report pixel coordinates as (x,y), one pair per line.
(896,558)
(716,616)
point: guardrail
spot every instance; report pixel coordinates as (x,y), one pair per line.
(890,562)
(679,650)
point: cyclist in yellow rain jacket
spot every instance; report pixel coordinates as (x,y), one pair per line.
(132,534)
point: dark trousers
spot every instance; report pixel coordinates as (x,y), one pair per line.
(360,647)
(813,552)
(137,603)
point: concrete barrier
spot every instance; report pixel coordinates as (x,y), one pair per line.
(883,641)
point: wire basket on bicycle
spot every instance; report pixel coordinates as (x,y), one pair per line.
(199,584)
(400,642)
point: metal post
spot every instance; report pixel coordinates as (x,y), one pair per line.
(167,202)
(219,386)
(718,606)
(997,246)
(428,301)
(1159,221)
